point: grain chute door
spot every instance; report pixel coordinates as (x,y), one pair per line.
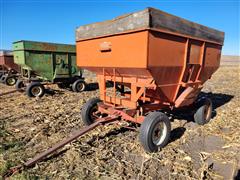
(61,66)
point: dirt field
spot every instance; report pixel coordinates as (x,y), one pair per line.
(29,126)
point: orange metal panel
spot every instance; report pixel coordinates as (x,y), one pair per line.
(174,62)
(211,61)
(194,52)
(126,51)
(166,61)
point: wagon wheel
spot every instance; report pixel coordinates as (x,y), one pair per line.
(90,111)
(204,112)
(155,131)
(79,86)
(35,89)
(10,80)
(3,78)
(19,85)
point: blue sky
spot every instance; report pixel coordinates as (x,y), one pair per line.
(56,20)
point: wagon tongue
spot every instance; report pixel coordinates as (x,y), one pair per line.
(59,145)
(9,92)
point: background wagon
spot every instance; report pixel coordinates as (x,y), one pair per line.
(44,63)
(157,62)
(8,69)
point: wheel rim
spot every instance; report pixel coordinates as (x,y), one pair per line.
(159,133)
(94,114)
(11,81)
(80,87)
(36,91)
(207,111)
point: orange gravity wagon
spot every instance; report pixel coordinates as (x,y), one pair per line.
(156,62)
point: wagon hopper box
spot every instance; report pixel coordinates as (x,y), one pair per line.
(156,61)
(47,63)
(8,69)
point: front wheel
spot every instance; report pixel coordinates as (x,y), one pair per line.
(204,111)
(89,111)
(155,131)
(79,86)
(35,89)
(10,80)
(19,85)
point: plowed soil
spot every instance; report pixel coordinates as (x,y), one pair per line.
(29,126)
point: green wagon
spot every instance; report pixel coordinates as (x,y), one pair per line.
(47,63)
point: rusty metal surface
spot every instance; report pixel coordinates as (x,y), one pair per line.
(145,19)
(7,61)
(68,140)
(9,92)
(41,156)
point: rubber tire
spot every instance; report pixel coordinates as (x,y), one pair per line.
(86,109)
(19,85)
(76,83)
(3,78)
(147,127)
(9,77)
(199,115)
(34,84)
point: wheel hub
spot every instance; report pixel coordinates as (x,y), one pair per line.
(11,81)
(79,86)
(159,133)
(36,91)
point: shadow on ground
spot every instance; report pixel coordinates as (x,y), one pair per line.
(218,100)
(94,86)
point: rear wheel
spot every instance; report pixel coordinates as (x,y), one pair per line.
(79,86)
(204,111)
(10,80)
(3,78)
(19,85)
(155,131)
(89,111)
(35,89)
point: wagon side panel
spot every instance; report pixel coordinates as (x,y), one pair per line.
(41,63)
(1,60)
(166,62)
(10,63)
(119,51)
(211,61)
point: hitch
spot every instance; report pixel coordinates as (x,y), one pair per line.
(41,156)
(9,92)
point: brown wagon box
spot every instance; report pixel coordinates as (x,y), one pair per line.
(8,69)
(6,60)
